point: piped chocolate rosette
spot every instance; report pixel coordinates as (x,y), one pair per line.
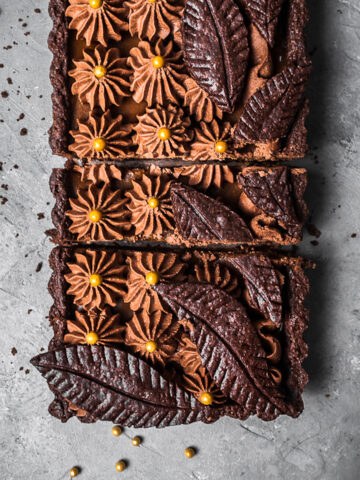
(164,338)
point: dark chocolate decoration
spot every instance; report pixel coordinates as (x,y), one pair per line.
(264,15)
(262,282)
(228,344)
(58,409)
(216,48)
(269,113)
(200,217)
(271,193)
(113,385)
(295,144)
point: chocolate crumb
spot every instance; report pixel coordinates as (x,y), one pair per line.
(14,351)
(29,311)
(16,166)
(4,94)
(27,371)
(42,349)
(23,132)
(3,200)
(314,242)
(26,34)
(21,116)
(1,65)
(5,186)
(327,395)
(8,47)
(24,25)
(17,235)
(37,10)
(9,80)
(39,267)
(40,216)
(353,235)
(21,369)
(28,97)
(311,228)
(1,166)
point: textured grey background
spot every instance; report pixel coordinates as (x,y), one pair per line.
(324,442)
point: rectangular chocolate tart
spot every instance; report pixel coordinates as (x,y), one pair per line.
(155,338)
(198,205)
(197,80)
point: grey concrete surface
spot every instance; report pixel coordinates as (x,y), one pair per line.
(324,442)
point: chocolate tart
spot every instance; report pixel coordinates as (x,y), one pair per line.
(188,206)
(206,80)
(200,336)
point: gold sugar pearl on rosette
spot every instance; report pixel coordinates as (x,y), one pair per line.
(151,346)
(95,216)
(92,338)
(100,71)
(95,280)
(95,4)
(221,147)
(164,134)
(206,398)
(158,61)
(99,144)
(153,202)
(116,430)
(152,278)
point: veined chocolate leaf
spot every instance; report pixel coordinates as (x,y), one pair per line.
(264,15)
(200,217)
(228,344)
(216,48)
(271,193)
(113,385)
(269,113)
(262,282)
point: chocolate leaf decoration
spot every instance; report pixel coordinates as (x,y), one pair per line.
(272,193)
(113,385)
(262,282)
(295,144)
(269,113)
(200,217)
(216,48)
(264,15)
(228,344)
